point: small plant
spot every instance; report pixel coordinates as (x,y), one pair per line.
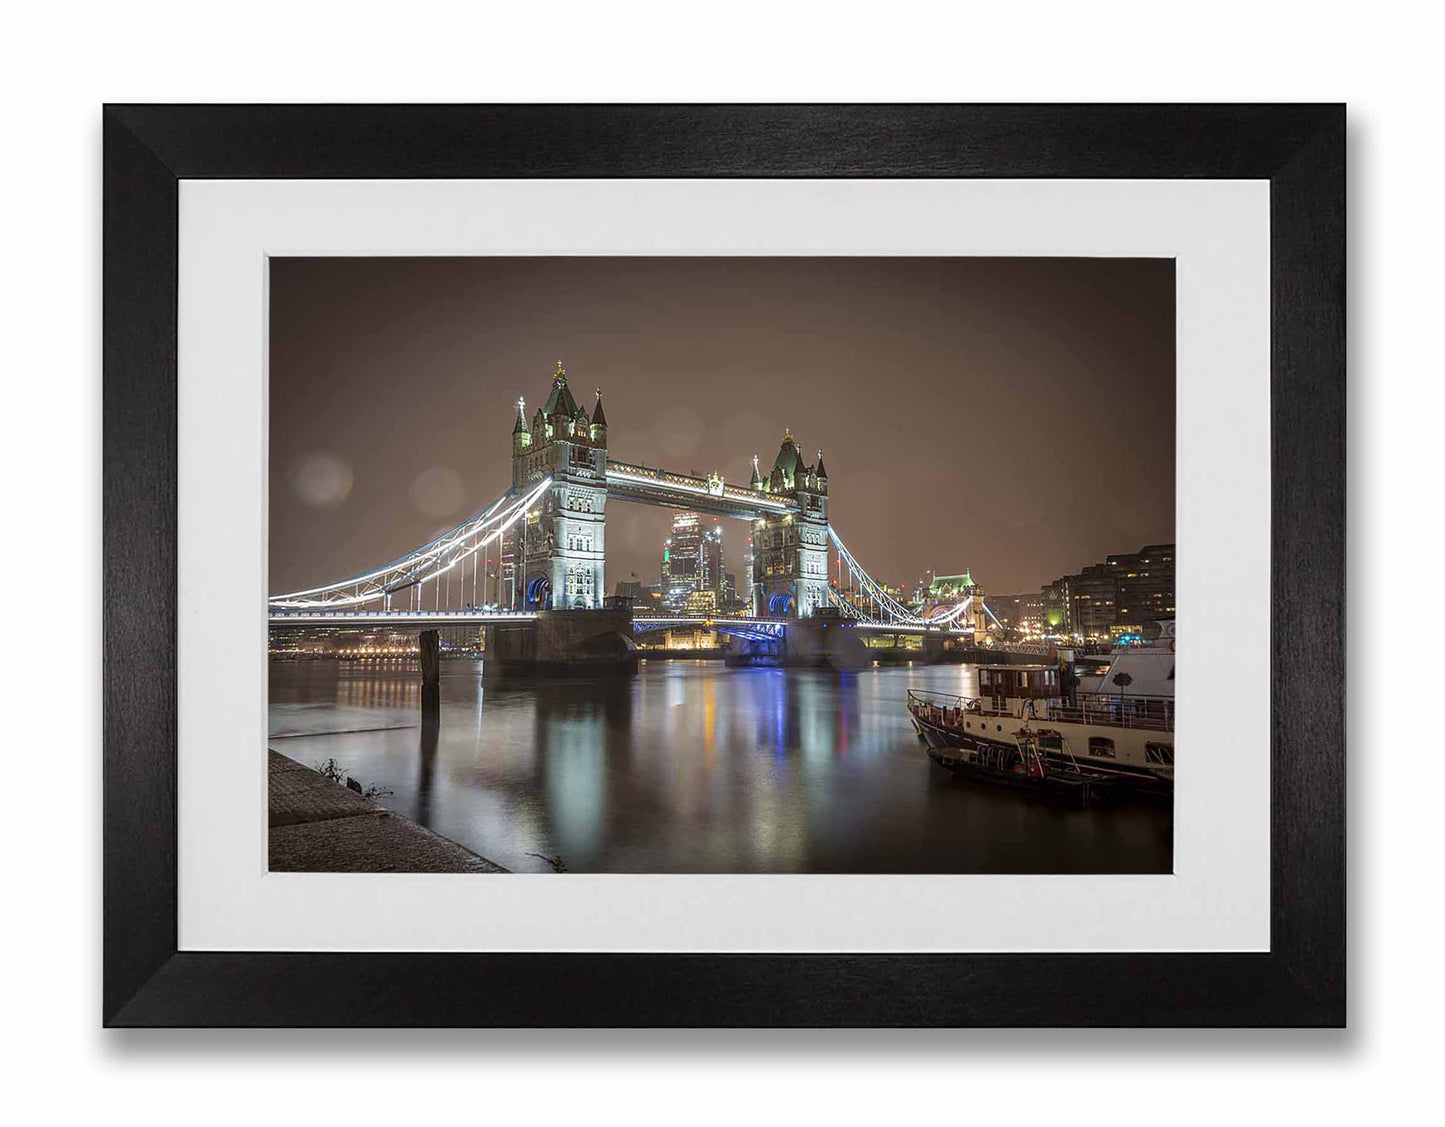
(337,774)
(332,770)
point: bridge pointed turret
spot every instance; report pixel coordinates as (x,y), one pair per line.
(786,466)
(822,473)
(521,436)
(757,481)
(560,403)
(599,421)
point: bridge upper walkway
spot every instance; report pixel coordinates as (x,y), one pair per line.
(628,481)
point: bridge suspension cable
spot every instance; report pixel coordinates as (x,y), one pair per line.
(423,565)
(954,615)
(836,598)
(886,608)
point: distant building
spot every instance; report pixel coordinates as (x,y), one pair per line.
(1095,596)
(681,559)
(701,602)
(631,589)
(1145,582)
(941,598)
(692,561)
(681,638)
(1112,599)
(1024,613)
(368,643)
(710,559)
(950,588)
(1058,600)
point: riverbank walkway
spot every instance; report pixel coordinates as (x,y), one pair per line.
(317,826)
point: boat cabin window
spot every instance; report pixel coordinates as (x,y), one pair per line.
(1101,746)
(1159,753)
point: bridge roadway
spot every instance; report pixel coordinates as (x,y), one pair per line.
(430,618)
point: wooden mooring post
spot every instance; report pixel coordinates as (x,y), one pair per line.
(431,660)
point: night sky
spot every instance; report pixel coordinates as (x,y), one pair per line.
(1010,416)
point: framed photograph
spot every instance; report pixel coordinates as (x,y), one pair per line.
(724,565)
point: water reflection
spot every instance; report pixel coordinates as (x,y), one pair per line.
(690,767)
(426,764)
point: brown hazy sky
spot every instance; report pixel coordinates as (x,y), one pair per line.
(1012,416)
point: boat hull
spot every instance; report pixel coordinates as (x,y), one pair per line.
(1063,783)
(1066,791)
(1124,776)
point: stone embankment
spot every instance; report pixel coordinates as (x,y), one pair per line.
(317,826)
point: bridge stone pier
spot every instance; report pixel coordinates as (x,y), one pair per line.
(562,641)
(827,640)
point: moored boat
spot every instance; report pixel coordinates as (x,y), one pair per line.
(1124,735)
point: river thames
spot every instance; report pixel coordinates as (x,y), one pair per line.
(691,767)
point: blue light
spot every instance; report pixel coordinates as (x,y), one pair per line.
(538,589)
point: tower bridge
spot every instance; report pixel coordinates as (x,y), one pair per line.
(557,557)
(548,530)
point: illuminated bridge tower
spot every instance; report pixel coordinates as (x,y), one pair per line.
(790,550)
(555,558)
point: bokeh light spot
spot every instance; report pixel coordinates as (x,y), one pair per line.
(322,481)
(438,491)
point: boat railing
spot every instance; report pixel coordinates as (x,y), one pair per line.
(947,709)
(1154,714)
(943,700)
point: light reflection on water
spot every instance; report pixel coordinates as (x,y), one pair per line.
(690,767)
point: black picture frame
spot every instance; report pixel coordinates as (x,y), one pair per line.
(1299,149)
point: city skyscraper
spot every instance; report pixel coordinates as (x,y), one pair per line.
(692,563)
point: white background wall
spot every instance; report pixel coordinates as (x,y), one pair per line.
(62,61)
